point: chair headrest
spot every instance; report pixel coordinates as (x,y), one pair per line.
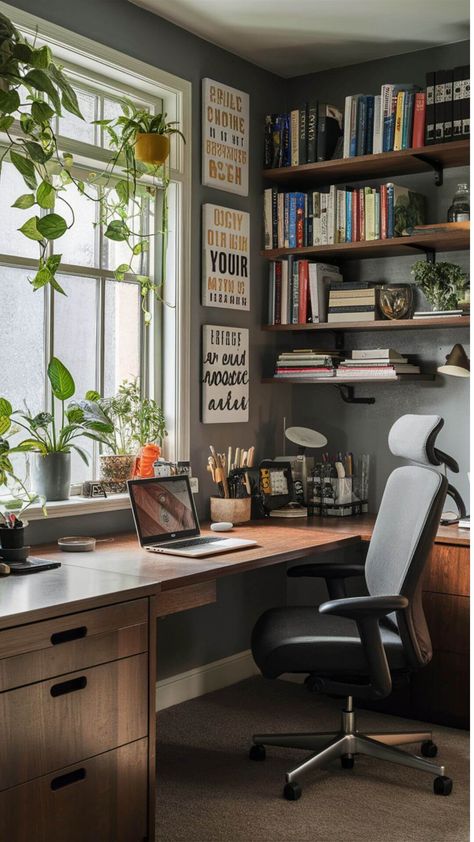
(413,437)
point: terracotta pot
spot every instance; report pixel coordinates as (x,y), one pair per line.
(233,509)
(152,148)
(115,471)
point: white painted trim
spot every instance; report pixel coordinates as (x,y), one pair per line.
(80,506)
(196,682)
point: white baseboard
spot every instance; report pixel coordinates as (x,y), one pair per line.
(196,682)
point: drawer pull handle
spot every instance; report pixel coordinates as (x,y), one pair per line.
(67,779)
(69,686)
(68,634)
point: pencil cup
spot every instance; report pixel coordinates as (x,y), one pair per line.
(12,539)
(233,509)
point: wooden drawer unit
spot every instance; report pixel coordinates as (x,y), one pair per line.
(447,570)
(101,800)
(66,644)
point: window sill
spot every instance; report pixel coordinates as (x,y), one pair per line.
(76,506)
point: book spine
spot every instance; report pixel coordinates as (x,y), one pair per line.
(369,214)
(309,219)
(457,97)
(292,221)
(348,237)
(302,134)
(352,308)
(285,132)
(300,207)
(397,139)
(271,293)
(331,215)
(281,220)
(419,119)
(361,193)
(440,80)
(268,142)
(312,131)
(340,216)
(284,292)
(355,216)
(369,131)
(466,104)
(361,126)
(294,133)
(286,223)
(324,219)
(277,317)
(276,141)
(390,211)
(316,219)
(290,262)
(383,211)
(267,218)
(377,133)
(313,293)
(295,293)
(407,126)
(346,147)
(275,217)
(303,291)
(354,124)
(430,109)
(376,195)
(448,107)
(386,117)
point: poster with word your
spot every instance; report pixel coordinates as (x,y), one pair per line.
(225,258)
(225,138)
(225,374)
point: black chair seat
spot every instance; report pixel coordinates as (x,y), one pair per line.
(299,639)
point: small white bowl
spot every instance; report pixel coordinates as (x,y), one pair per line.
(76,544)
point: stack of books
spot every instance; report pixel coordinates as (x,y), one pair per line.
(448,105)
(391,121)
(340,215)
(376,363)
(299,291)
(351,302)
(307,134)
(306,364)
(437,314)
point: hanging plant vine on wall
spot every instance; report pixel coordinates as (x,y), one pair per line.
(33,150)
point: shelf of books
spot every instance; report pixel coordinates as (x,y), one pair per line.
(378,165)
(377,324)
(340,381)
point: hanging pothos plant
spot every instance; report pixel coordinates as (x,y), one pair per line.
(33,93)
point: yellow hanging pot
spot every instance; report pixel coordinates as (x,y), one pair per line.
(152,148)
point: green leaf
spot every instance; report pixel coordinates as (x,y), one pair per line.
(5,407)
(140,247)
(23,52)
(40,81)
(123,191)
(25,201)
(82,453)
(124,267)
(5,424)
(68,160)
(25,167)
(92,395)
(52,226)
(45,195)
(41,111)
(30,229)
(53,262)
(41,58)
(61,380)
(9,101)
(69,98)
(42,278)
(117,230)
(6,121)
(54,283)
(36,152)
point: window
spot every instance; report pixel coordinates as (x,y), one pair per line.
(97,329)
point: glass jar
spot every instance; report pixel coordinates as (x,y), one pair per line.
(396,301)
(459,210)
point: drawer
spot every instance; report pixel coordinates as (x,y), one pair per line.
(65,644)
(54,723)
(100,800)
(447,570)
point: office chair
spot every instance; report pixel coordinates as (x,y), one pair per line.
(354,647)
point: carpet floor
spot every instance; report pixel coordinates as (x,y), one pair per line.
(208,790)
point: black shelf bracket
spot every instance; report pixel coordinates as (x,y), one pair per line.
(435,165)
(339,340)
(430,253)
(347,394)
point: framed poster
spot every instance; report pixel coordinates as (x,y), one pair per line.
(225,258)
(225,138)
(225,374)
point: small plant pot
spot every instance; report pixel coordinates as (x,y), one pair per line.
(233,509)
(152,148)
(147,456)
(51,475)
(115,471)
(12,539)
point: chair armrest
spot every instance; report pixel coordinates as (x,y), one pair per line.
(361,607)
(326,571)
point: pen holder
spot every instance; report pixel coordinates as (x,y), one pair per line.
(12,539)
(233,509)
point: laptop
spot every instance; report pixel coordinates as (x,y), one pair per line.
(166,519)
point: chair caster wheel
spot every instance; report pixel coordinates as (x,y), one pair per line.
(347,761)
(257,752)
(292,791)
(442,785)
(429,749)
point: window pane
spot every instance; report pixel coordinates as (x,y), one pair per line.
(23,369)
(13,241)
(75,343)
(116,253)
(73,127)
(77,246)
(122,334)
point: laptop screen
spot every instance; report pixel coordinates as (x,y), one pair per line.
(163,509)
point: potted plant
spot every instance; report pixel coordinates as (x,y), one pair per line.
(51,438)
(116,466)
(442,283)
(149,429)
(16,499)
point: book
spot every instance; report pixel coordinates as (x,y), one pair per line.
(352,317)
(398,368)
(303,282)
(465,103)
(312,132)
(276,141)
(375,373)
(271,293)
(369,214)
(351,308)
(267,218)
(341,303)
(340,216)
(406,208)
(321,276)
(361,132)
(419,118)
(294,135)
(448,107)
(437,314)
(302,138)
(277,293)
(268,142)
(377,353)
(377,130)
(430,109)
(274,217)
(407,120)
(355,104)
(369,125)
(346,145)
(397,140)
(300,216)
(284,292)
(439,91)
(327,133)
(458,81)
(281,220)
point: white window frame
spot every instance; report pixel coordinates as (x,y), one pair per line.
(93,57)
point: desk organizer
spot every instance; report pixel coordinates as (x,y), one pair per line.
(331,496)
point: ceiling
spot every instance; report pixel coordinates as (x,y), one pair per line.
(291,38)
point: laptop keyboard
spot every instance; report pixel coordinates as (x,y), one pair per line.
(191,542)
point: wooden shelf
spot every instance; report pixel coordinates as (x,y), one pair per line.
(455,240)
(391,164)
(400,324)
(341,381)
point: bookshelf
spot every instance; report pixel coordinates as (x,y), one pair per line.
(350,381)
(436,157)
(447,240)
(384,325)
